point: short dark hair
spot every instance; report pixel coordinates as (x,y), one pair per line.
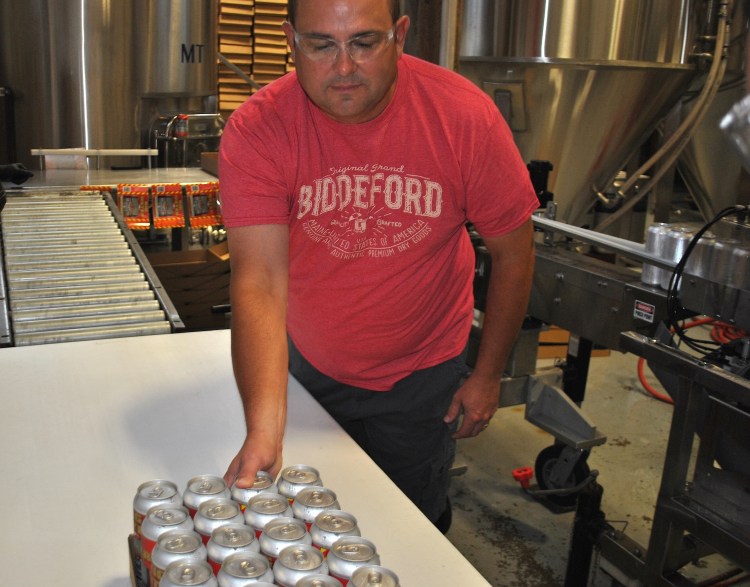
(292,7)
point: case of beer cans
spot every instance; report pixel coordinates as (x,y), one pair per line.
(307,534)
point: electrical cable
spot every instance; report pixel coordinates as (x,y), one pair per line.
(675,311)
(721,332)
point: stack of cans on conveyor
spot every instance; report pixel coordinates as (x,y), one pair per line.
(289,532)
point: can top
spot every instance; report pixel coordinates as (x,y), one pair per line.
(318,581)
(374,576)
(233,535)
(301,475)
(156,490)
(353,549)
(336,521)
(185,572)
(262,481)
(316,496)
(301,557)
(245,565)
(681,232)
(167,515)
(268,503)
(220,508)
(285,528)
(206,485)
(179,541)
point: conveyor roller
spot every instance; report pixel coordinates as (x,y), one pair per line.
(71,270)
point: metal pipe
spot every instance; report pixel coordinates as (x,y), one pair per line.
(241,74)
(636,251)
(67,283)
(17,274)
(680,138)
(86,322)
(38,314)
(63,232)
(93,333)
(63,256)
(72,291)
(70,264)
(16,244)
(22,305)
(64,214)
(77,250)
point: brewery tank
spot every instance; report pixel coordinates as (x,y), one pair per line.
(582,83)
(96,73)
(711,171)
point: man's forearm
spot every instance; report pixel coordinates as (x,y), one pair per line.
(507,303)
(260,359)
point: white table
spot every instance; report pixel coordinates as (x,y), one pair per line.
(84,423)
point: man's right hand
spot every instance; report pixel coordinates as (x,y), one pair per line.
(259,258)
(249,460)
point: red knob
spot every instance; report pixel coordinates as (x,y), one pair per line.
(523,476)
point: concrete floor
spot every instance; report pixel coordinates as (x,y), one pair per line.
(514,540)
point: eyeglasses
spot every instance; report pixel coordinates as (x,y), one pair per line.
(361,48)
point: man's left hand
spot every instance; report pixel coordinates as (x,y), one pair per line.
(477,399)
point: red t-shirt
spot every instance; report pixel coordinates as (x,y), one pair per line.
(381,266)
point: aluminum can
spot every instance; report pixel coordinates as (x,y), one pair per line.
(150,494)
(721,260)
(348,554)
(740,273)
(280,533)
(263,483)
(313,500)
(203,488)
(161,519)
(318,581)
(229,539)
(656,242)
(173,546)
(189,573)
(331,525)
(263,508)
(215,513)
(374,576)
(242,568)
(678,239)
(296,562)
(294,479)
(699,261)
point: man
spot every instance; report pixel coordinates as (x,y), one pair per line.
(346,187)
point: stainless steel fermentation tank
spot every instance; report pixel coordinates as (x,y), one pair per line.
(97,73)
(582,83)
(713,174)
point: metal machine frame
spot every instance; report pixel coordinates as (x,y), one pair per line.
(698,512)
(695,514)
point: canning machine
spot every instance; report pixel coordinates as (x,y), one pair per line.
(643,233)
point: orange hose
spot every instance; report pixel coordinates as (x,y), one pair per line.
(647,386)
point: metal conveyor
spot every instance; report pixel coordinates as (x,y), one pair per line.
(70,269)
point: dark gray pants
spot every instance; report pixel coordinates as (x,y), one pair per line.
(402,430)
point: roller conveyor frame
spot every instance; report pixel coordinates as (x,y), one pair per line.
(92,287)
